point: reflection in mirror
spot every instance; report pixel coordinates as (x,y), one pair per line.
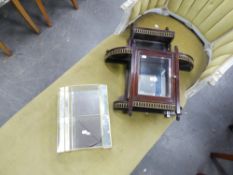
(154,76)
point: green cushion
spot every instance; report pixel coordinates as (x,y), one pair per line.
(186,41)
(211,17)
(28,140)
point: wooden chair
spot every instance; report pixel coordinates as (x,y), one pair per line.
(28,19)
(223,156)
(217,155)
(45,14)
(25,15)
(22,12)
(5,49)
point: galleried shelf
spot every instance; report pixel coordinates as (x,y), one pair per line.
(152,72)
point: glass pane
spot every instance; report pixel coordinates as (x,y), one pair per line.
(83,118)
(154,76)
(150,45)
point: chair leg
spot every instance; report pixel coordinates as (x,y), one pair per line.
(75,4)
(222,156)
(5,49)
(231,127)
(25,15)
(44,12)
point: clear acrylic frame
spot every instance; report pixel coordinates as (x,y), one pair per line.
(83,118)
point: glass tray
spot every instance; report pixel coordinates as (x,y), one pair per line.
(83,118)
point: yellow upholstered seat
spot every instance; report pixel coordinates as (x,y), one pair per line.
(28,140)
(186,43)
(210,19)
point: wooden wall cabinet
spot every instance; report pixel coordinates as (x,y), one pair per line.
(152,72)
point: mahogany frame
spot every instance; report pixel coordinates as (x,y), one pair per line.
(130,56)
